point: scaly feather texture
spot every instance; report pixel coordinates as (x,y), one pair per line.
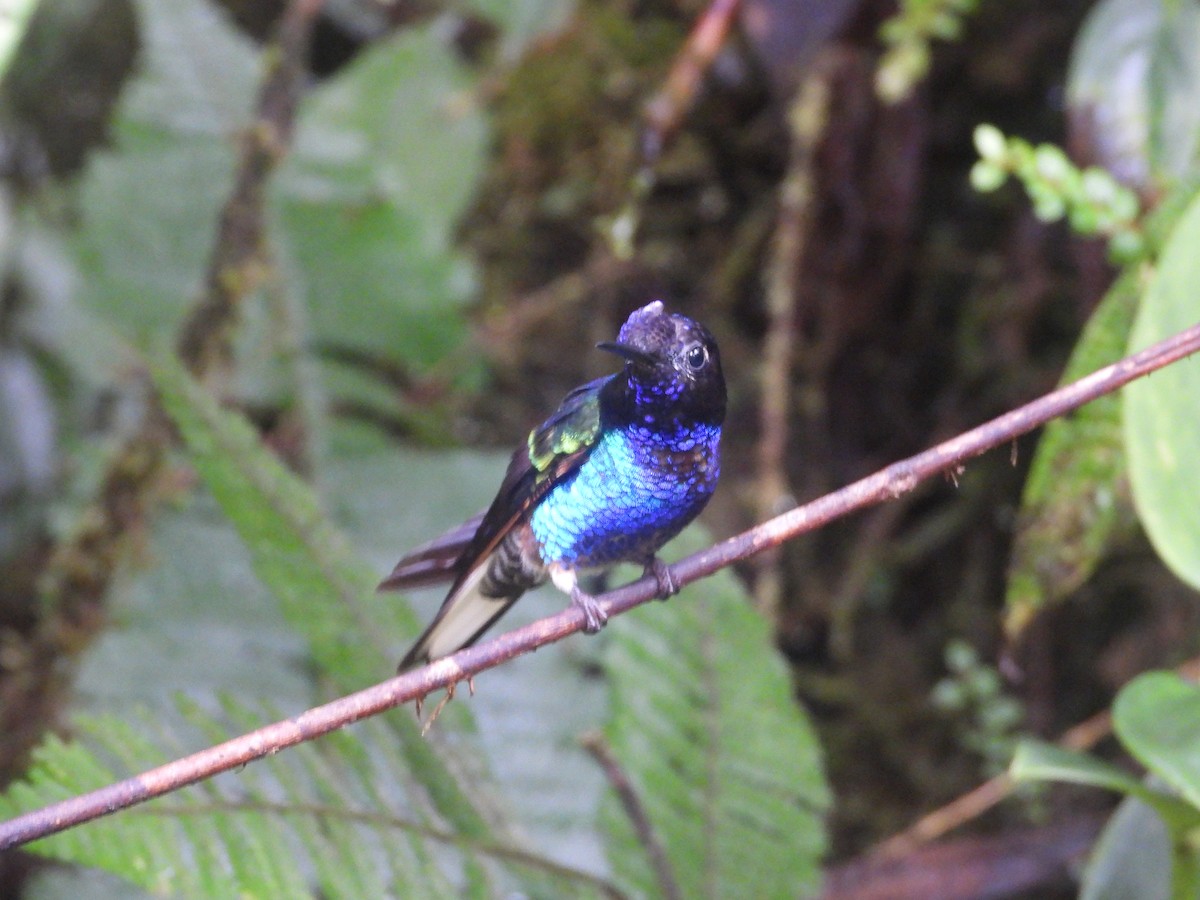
(618,470)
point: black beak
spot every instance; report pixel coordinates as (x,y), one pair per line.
(633,354)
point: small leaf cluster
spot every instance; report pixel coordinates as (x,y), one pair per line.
(975,691)
(908,35)
(1091,199)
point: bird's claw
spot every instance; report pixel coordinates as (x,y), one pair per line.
(594,616)
(667,585)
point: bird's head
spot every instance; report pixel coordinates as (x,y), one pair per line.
(671,362)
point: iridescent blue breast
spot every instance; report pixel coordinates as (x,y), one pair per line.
(636,490)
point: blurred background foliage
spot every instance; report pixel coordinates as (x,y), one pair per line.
(473,195)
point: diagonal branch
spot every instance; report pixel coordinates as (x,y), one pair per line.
(888,483)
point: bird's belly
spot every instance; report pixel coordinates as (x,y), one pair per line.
(631,495)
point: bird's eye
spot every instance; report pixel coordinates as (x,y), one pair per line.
(696,356)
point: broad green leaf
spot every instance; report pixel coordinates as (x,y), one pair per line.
(83,339)
(146,232)
(197,75)
(1162,429)
(532,713)
(200,594)
(1132,857)
(149,849)
(191,616)
(149,205)
(386,158)
(199,603)
(1134,87)
(1077,487)
(724,762)
(1157,718)
(361,216)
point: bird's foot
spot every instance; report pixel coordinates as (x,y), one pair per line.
(437,710)
(594,616)
(667,585)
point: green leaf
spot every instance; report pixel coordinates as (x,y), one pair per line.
(1134,82)
(1132,857)
(706,727)
(1077,487)
(991,144)
(1157,718)
(147,207)
(361,215)
(150,849)
(197,75)
(1162,429)
(14,18)
(1039,761)
(531,714)
(82,339)
(191,600)
(386,158)
(73,882)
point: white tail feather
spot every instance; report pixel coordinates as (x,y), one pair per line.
(463,615)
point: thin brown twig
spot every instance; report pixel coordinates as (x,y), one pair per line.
(957,812)
(667,108)
(807,118)
(664,113)
(595,744)
(888,483)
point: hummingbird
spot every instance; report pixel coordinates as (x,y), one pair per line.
(623,464)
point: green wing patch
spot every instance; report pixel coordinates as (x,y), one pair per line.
(573,427)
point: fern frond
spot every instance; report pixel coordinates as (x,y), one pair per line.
(721,758)
(317,820)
